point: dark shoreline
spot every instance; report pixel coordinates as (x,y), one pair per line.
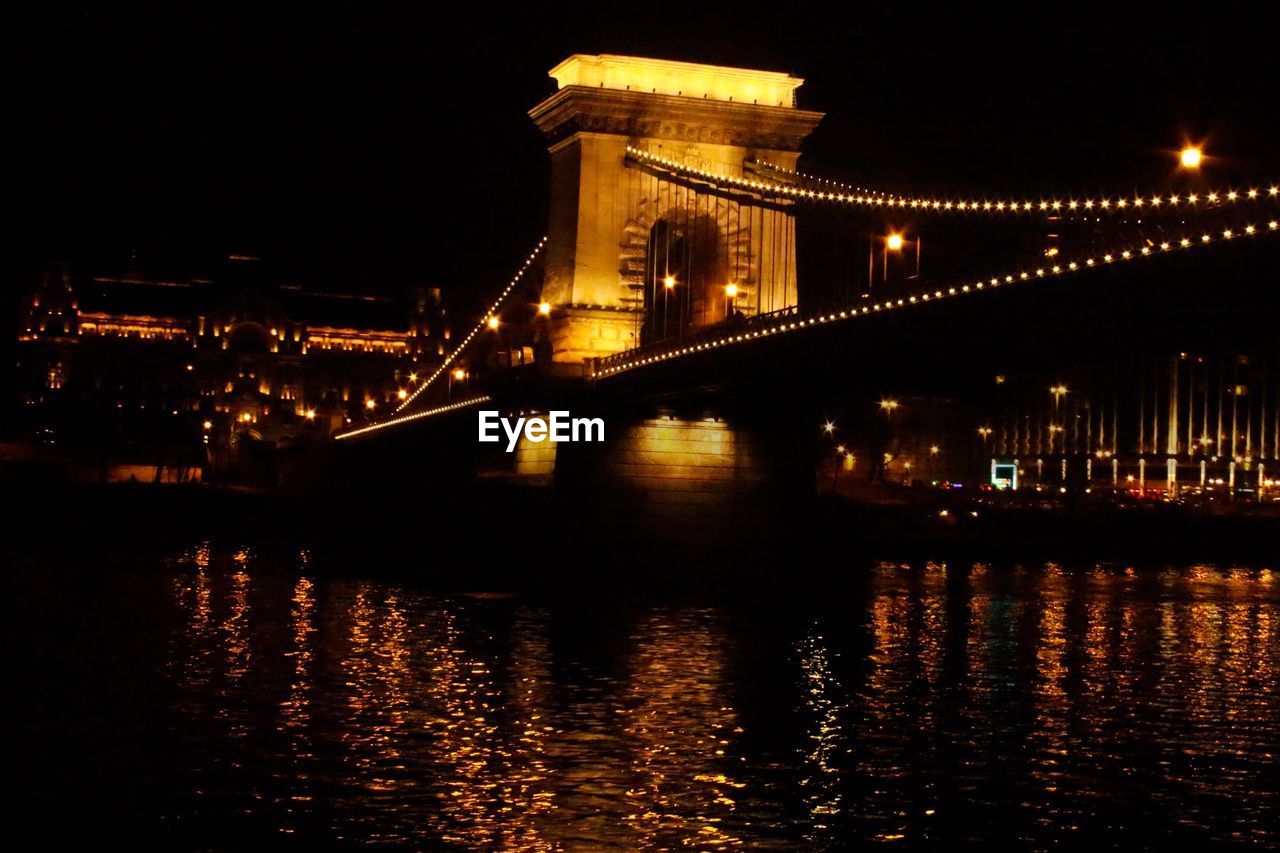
(512,533)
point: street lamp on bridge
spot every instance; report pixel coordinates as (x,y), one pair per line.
(895,242)
(458,374)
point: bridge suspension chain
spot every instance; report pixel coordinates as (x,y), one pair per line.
(413,416)
(842,194)
(772,326)
(493,310)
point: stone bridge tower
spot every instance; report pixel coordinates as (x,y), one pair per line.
(603,211)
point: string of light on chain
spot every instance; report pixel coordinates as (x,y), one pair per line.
(415,416)
(615,364)
(851,196)
(492,312)
(794,175)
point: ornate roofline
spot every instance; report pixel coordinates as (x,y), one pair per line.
(574,109)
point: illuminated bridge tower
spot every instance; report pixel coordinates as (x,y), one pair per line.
(633,257)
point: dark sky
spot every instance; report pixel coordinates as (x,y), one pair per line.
(382,148)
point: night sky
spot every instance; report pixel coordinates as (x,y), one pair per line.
(381,149)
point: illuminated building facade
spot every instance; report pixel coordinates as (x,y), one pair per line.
(148,365)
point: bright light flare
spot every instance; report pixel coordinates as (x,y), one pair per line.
(1190,157)
(893,242)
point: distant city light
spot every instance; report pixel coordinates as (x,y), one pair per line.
(310,414)
(370,404)
(888,405)
(402,393)
(459,374)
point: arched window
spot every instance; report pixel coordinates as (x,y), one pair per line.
(684,261)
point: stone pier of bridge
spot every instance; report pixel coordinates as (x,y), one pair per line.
(605,218)
(677,471)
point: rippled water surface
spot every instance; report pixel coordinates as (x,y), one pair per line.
(222,697)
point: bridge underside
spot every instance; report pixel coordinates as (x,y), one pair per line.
(696,470)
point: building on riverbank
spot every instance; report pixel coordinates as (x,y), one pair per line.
(209,370)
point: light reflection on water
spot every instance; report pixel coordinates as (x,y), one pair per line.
(932,705)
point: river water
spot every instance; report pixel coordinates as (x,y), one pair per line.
(219,697)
